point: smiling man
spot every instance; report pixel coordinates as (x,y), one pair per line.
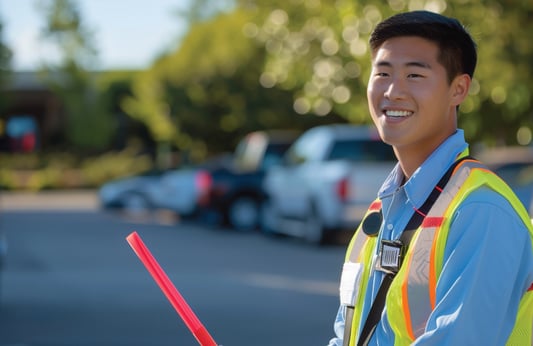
(444,255)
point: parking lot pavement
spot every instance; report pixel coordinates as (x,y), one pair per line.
(75,200)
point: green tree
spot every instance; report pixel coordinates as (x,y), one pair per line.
(114,86)
(206,95)
(203,10)
(319,51)
(5,65)
(89,126)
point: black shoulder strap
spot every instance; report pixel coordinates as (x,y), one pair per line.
(378,305)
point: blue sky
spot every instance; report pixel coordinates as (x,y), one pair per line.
(127,33)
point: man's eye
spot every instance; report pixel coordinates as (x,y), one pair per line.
(414,75)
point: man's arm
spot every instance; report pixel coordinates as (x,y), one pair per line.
(487,264)
(338,327)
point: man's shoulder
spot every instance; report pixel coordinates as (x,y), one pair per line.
(486,203)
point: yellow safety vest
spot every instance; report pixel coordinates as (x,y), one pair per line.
(411,296)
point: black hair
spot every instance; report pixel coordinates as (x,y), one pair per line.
(457,49)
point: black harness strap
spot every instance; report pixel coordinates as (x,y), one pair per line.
(374,315)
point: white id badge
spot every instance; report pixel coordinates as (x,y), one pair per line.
(349,287)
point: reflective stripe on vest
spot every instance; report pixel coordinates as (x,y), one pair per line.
(411,297)
(408,316)
(360,248)
(415,284)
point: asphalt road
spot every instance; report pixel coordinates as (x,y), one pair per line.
(71,279)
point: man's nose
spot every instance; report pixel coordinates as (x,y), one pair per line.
(395,89)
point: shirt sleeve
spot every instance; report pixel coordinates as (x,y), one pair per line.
(488,263)
(338,327)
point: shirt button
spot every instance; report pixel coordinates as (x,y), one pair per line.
(390,226)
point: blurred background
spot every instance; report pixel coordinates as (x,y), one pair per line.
(94,90)
(234,133)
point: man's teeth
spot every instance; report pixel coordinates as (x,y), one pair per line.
(398,114)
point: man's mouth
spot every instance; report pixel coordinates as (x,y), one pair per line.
(397,113)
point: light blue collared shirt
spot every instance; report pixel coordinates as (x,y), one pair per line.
(488,259)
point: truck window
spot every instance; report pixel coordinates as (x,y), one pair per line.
(361,150)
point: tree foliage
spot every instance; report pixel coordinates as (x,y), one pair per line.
(206,95)
(318,49)
(202,10)
(5,64)
(299,63)
(89,126)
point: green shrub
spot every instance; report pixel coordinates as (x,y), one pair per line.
(66,171)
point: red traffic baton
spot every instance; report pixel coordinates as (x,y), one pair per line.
(171,292)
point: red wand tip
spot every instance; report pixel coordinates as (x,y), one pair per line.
(178,302)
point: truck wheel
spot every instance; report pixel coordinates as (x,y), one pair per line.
(243,213)
(314,232)
(135,202)
(269,219)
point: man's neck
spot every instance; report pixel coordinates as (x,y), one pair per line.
(413,156)
(409,164)
(410,160)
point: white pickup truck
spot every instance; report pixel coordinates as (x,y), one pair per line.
(328,178)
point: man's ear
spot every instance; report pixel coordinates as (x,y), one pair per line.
(460,87)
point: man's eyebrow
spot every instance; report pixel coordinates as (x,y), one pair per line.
(385,63)
(418,64)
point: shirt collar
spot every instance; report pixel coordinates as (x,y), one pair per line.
(425,178)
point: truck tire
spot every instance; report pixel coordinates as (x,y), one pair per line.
(243,213)
(269,219)
(135,202)
(314,232)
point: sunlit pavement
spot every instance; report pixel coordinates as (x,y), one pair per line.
(78,200)
(71,279)
(75,200)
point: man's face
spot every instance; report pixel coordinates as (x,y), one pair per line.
(409,97)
